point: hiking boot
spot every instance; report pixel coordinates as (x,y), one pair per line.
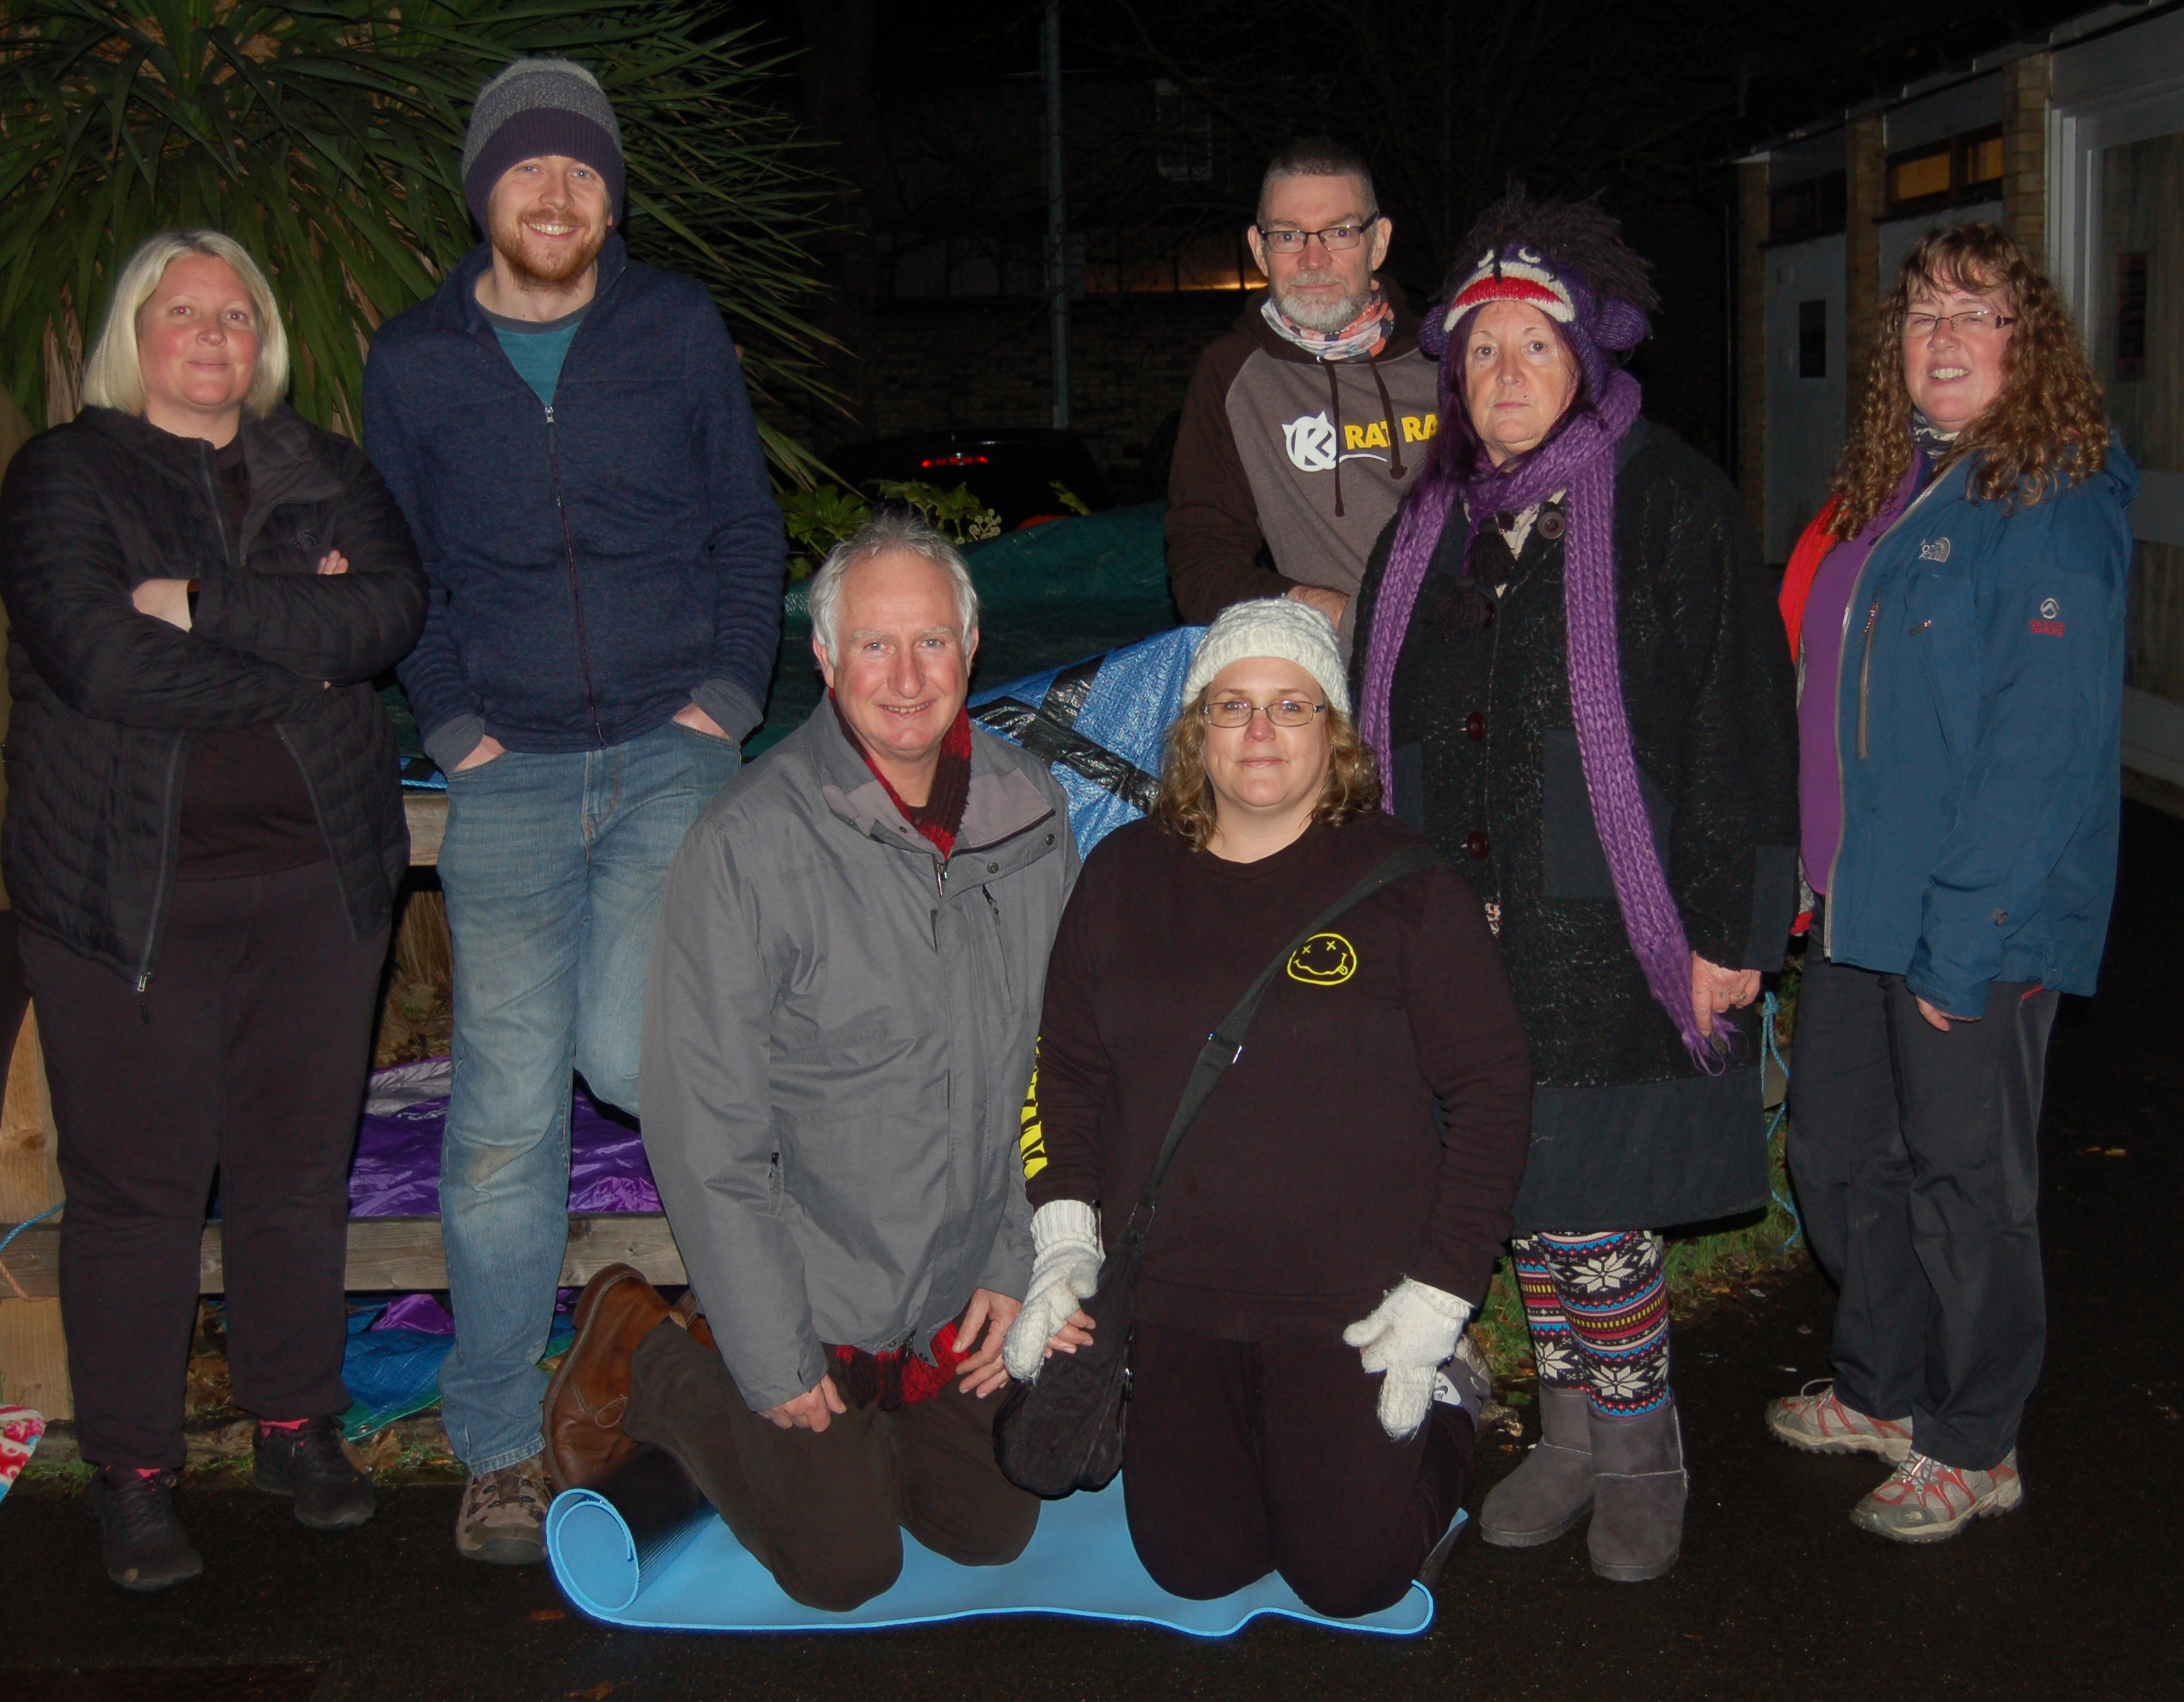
(307,1462)
(582,1415)
(1816,1420)
(1638,1489)
(1549,1492)
(147,1548)
(502,1517)
(1926,1501)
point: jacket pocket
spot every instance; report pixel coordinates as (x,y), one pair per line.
(1007,972)
(1573,863)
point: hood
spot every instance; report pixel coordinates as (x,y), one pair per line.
(1251,323)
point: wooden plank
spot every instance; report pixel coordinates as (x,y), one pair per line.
(33,1351)
(394,1253)
(428,825)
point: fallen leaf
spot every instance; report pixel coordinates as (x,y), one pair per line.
(2117,1152)
(542,1614)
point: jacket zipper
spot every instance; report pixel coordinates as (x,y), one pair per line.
(575,589)
(1835,715)
(1866,673)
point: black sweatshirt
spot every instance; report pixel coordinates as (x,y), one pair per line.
(1319,1173)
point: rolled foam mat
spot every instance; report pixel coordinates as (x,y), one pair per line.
(649,1555)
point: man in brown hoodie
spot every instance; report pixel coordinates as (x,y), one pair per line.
(1306,422)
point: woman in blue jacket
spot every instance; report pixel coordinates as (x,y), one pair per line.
(1960,646)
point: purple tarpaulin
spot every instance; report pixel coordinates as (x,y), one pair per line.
(396,1172)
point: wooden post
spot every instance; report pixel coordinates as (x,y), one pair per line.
(33,1351)
(2025,151)
(1753,213)
(1866,186)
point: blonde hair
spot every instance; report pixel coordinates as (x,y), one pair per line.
(113,374)
(1185,806)
(2045,430)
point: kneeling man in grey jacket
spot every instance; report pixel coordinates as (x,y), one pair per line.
(838,1034)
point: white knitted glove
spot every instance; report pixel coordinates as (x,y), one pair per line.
(1408,1335)
(1064,1275)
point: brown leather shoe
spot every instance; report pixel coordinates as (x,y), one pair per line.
(584,1403)
(692,1320)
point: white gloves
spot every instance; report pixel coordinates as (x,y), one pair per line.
(1407,1335)
(1064,1275)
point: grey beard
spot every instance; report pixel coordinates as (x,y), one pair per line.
(1330,315)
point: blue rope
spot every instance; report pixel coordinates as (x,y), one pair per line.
(27,1222)
(1772,1050)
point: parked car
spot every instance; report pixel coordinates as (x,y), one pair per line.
(1013,471)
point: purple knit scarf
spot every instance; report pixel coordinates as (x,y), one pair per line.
(1580,459)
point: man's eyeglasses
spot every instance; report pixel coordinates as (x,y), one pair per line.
(1287,711)
(1335,238)
(1973,322)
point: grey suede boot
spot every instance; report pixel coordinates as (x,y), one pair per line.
(1639,1487)
(1548,1494)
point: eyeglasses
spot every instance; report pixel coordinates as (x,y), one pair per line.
(1285,712)
(1973,322)
(1335,238)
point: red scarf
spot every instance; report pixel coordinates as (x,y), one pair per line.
(900,1378)
(940,817)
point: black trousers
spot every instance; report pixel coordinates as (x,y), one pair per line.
(1916,1159)
(824,1510)
(1246,1457)
(245,1056)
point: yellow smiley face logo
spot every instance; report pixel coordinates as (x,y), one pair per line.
(1326,960)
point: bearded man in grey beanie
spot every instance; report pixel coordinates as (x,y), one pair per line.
(567,431)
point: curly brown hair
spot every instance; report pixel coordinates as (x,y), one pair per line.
(2043,431)
(1185,805)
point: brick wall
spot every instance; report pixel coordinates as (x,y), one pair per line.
(2025,151)
(1866,196)
(938,364)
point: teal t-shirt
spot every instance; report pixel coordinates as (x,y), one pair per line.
(537,351)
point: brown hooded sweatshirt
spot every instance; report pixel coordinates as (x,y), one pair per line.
(1307,457)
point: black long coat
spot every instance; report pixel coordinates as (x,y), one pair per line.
(106,697)
(1627,1132)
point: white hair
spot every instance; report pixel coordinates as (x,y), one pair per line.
(113,375)
(888,534)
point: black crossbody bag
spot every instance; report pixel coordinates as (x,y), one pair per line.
(1064,1432)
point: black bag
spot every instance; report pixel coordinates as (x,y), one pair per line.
(1064,1432)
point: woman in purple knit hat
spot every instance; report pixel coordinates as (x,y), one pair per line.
(1568,664)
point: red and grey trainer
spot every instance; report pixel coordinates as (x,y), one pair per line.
(1926,1501)
(1818,1422)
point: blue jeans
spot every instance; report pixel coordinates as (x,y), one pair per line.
(552,868)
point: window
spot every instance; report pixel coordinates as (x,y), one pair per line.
(2130,317)
(1812,339)
(1185,128)
(1814,208)
(1954,173)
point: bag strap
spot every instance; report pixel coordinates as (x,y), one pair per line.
(1225,1045)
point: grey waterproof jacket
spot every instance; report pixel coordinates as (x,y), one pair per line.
(838,1033)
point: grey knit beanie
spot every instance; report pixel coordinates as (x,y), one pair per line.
(1271,627)
(540,106)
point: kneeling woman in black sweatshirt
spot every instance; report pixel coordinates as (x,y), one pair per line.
(1332,1218)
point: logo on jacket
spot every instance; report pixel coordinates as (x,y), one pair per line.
(1326,960)
(1934,549)
(2049,621)
(2049,608)
(1311,442)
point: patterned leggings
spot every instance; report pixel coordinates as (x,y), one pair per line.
(1599,1311)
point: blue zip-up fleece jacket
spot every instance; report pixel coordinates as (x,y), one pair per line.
(596,563)
(1978,727)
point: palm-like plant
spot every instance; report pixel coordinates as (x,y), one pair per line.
(327,135)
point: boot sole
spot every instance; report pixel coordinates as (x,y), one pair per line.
(273,1484)
(505,1551)
(1637,1574)
(1893,1451)
(1533,1539)
(152,1586)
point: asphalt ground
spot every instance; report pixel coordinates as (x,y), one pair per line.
(1777,1594)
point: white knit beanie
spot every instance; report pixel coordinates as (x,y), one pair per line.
(1271,627)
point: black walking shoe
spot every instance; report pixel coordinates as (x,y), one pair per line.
(146,1547)
(307,1463)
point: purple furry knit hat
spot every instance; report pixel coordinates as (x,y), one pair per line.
(1567,259)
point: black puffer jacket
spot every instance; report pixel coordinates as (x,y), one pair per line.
(1627,1132)
(106,697)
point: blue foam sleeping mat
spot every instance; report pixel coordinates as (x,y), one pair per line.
(1080,1564)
